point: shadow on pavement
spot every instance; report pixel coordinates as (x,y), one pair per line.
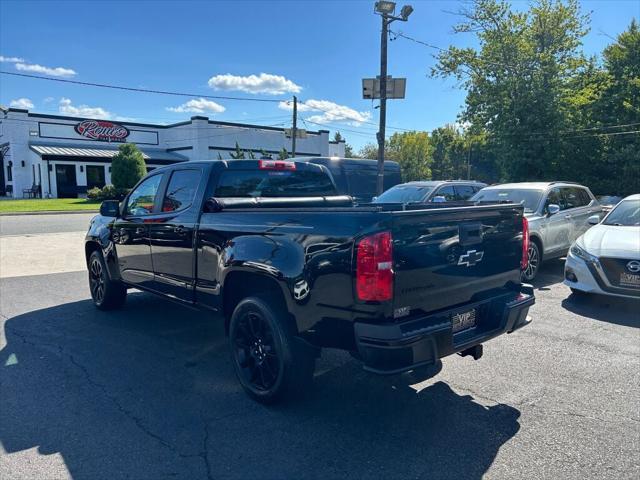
(551,272)
(148,392)
(620,311)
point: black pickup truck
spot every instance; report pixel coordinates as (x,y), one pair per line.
(293,268)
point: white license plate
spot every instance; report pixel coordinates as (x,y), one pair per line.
(464,320)
(629,280)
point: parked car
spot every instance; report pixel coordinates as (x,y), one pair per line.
(294,267)
(357,177)
(608,201)
(557,214)
(431,191)
(606,259)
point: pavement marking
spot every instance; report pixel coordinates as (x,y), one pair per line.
(41,254)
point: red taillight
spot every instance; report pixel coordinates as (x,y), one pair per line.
(525,244)
(276,165)
(374,268)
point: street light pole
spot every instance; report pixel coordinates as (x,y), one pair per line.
(294,130)
(383,102)
(385,9)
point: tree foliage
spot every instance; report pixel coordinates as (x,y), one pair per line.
(413,152)
(127,166)
(536,107)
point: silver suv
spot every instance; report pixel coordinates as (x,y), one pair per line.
(557,214)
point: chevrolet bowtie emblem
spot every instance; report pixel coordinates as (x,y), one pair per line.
(470,258)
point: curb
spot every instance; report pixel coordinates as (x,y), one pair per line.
(48,212)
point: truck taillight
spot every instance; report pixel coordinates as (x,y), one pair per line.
(525,244)
(276,165)
(374,268)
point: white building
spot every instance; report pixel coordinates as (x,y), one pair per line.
(62,156)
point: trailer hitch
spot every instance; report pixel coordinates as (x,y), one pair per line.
(475,352)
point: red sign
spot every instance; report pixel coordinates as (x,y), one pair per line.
(102,130)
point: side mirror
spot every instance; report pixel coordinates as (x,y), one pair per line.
(110,208)
(438,199)
(374,199)
(552,209)
(593,220)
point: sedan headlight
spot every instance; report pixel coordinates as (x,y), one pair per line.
(580,252)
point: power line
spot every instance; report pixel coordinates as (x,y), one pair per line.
(143,90)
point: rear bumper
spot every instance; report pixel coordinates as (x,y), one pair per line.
(398,347)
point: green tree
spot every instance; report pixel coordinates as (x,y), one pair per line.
(284,154)
(127,166)
(238,154)
(518,80)
(412,151)
(369,150)
(348,149)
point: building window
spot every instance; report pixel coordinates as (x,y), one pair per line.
(10,172)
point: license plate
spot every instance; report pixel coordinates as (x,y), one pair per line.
(464,320)
(629,280)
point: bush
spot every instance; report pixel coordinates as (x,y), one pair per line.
(127,166)
(108,192)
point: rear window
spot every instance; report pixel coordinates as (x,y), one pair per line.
(270,183)
(404,194)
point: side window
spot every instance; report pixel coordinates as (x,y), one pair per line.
(181,190)
(447,192)
(573,197)
(143,197)
(555,197)
(464,192)
(585,197)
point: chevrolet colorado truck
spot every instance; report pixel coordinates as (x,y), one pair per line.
(292,267)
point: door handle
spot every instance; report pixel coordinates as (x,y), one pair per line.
(567,217)
(179,230)
(140,230)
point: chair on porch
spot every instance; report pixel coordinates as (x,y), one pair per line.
(32,192)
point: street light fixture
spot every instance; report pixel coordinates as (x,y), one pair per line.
(386,10)
(405,12)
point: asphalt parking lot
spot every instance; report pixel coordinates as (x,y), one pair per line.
(148,392)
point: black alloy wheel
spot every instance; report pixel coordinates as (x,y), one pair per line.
(97,280)
(256,353)
(270,361)
(106,293)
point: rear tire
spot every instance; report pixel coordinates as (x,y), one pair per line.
(534,261)
(107,294)
(270,361)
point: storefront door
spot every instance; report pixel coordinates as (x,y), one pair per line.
(66,181)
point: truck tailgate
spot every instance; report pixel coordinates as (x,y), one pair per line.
(450,256)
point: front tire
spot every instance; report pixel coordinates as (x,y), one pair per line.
(270,362)
(107,294)
(534,261)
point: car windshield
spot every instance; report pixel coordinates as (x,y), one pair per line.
(626,214)
(404,194)
(528,198)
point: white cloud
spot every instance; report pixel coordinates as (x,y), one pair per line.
(11,59)
(199,105)
(23,103)
(263,83)
(67,108)
(54,72)
(329,112)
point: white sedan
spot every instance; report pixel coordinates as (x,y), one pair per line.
(606,259)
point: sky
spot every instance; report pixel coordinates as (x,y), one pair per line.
(269,50)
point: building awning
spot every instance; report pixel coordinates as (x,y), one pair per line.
(60,151)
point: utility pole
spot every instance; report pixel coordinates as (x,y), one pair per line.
(386,10)
(294,130)
(383,103)
(469,161)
